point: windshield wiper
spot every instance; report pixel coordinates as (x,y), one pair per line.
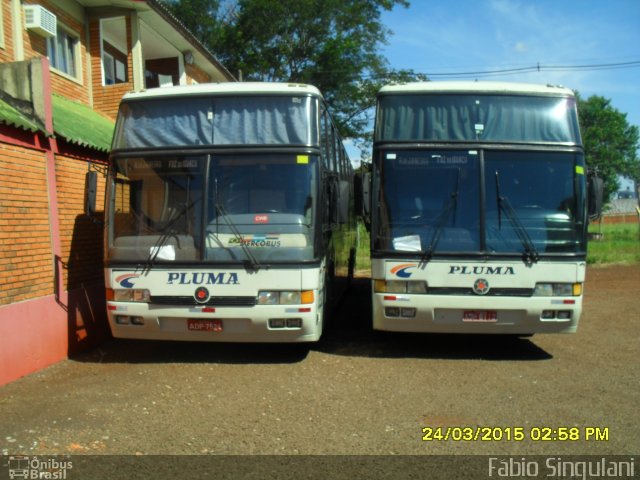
(167,232)
(443,218)
(530,254)
(222,212)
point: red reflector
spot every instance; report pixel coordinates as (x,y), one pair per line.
(208,309)
(304,310)
(111,307)
(569,302)
(389,297)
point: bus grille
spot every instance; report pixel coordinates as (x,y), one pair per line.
(213,301)
(494,292)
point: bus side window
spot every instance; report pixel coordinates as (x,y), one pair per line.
(339,157)
(125,213)
(324,139)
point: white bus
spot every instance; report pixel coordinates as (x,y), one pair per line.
(228,214)
(478,209)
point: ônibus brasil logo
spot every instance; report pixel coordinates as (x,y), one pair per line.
(22,466)
(401,270)
(126,279)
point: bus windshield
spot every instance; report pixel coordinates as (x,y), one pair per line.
(259,207)
(263,202)
(448,201)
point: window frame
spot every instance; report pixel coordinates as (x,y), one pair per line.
(109,59)
(74,49)
(2,43)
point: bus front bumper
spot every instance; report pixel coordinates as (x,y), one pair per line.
(492,315)
(264,323)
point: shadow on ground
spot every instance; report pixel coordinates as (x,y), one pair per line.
(352,335)
(349,334)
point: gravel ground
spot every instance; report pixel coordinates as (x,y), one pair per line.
(357,392)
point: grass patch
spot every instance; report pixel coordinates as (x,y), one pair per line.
(620,243)
(363,261)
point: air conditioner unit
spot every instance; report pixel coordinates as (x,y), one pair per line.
(40,20)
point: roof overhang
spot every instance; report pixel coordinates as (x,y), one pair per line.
(79,124)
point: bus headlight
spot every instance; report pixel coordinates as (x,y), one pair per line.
(399,286)
(131,295)
(558,290)
(416,287)
(268,298)
(291,297)
(396,286)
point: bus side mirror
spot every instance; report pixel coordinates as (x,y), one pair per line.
(595,195)
(90,192)
(366,194)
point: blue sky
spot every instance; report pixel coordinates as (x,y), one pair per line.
(436,37)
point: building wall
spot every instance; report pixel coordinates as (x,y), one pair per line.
(51,274)
(51,282)
(32,333)
(80,237)
(630,217)
(36,46)
(26,257)
(6,43)
(51,301)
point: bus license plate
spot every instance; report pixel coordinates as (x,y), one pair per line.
(480,316)
(204,325)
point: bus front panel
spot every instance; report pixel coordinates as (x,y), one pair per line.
(477,297)
(219,304)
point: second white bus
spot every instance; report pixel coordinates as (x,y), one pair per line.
(478,209)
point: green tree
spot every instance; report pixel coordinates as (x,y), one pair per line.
(332,44)
(201,17)
(611,144)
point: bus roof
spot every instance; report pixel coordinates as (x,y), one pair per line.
(478,87)
(226,88)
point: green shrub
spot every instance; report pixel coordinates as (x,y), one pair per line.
(620,243)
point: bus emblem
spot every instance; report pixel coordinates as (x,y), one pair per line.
(481,286)
(201,295)
(401,270)
(125,280)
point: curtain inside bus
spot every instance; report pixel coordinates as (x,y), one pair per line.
(492,118)
(194,121)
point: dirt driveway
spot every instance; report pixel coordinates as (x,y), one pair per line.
(357,392)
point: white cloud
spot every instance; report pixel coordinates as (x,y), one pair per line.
(520,47)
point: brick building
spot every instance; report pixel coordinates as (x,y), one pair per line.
(64,65)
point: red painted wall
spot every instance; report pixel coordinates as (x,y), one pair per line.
(51,280)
